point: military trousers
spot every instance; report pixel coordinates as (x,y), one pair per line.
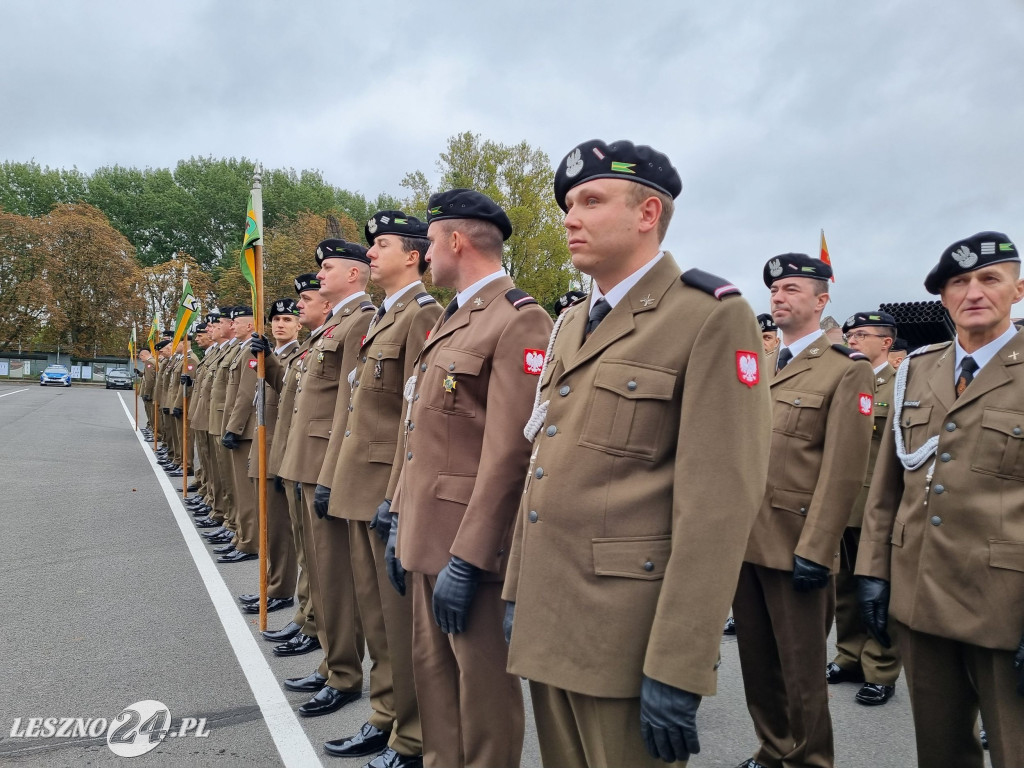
(782,636)
(225,483)
(304,615)
(247,532)
(471,709)
(949,683)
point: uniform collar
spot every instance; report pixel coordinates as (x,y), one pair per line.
(389,301)
(614,296)
(466,294)
(984,354)
(800,344)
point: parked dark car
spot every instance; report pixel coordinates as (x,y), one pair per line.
(118,378)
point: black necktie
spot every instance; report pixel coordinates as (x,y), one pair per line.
(597,313)
(967,368)
(376,318)
(450,309)
(784,357)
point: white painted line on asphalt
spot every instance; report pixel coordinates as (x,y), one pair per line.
(5,394)
(292,743)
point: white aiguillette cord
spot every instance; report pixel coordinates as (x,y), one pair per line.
(915,460)
(540,410)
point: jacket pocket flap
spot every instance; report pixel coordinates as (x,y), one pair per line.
(1006,554)
(1008,422)
(459,361)
(636,381)
(642,557)
(457,488)
(319,428)
(382,453)
(384,352)
(791,501)
(800,399)
(896,537)
(913,417)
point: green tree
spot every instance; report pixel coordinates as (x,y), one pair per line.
(29,190)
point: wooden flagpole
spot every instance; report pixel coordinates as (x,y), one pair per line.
(261,393)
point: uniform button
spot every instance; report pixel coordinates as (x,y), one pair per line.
(348,432)
(451,367)
(936,520)
(412,426)
(355,383)
(364,358)
(564,390)
(1016,431)
(423,368)
(945,457)
(648,566)
(950,427)
(380,355)
(906,423)
(940,489)
(409,456)
(296,410)
(299,389)
(416,396)
(552,430)
(631,386)
(328,433)
(533,516)
(350,409)
(797,401)
(539,473)
(803,510)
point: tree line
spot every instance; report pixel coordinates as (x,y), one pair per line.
(83,257)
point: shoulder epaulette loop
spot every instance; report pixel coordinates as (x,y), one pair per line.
(424,299)
(518,298)
(853,354)
(713,284)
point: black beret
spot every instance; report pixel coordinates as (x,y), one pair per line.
(213,317)
(168,334)
(767,323)
(795,265)
(468,204)
(284,307)
(874,319)
(393,223)
(619,160)
(162,344)
(567,299)
(334,248)
(899,345)
(307,282)
(201,328)
(241,311)
(969,254)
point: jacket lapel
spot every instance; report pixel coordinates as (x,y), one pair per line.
(483,297)
(995,374)
(802,362)
(940,378)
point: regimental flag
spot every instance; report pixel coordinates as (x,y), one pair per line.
(824,255)
(188,307)
(247,259)
(154,332)
(133,345)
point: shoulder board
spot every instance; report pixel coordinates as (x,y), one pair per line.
(853,354)
(713,284)
(929,348)
(518,298)
(425,299)
(367,306)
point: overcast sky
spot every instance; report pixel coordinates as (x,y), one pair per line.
(895,126)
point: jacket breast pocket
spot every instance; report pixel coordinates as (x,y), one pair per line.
(382,371)
(382,452)
(797,414)
(1006,554)
(1000,449)
(637,557)
(324,359)
(914,424)
(453,384)
(630,409)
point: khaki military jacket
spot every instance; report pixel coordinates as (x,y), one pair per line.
(200,420)
(240,411)
(466,456)
(160,389)
(645,479)
(822,405)
(271,411)
(953,546)
(185,365)
(234,381)
(369,462)
(219,389)
(884,382)
(333,351)
(148,379)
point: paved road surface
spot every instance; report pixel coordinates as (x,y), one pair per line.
(110,598)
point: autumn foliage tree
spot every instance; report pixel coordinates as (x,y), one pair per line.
(24,291)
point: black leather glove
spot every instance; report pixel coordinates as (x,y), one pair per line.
(186,380)
(808,575)
(321,500)
(506,623)
(873,596)
(260,344)
(668,720)
(1018,664)
(381,522)
(137,373)
(167,411)
(396,573)
(278,484)
(453,594)
(229,441)
(176,412)
(147,398)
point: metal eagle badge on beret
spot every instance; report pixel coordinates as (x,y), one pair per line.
(335,248)
(468,204)
(595,159)
(393,223)
(795,265)
(747,368)
(969,254)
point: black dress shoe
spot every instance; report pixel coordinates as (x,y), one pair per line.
(369,741)
(836,674)
(751,763)
(391,759)
(873,694)
(193,487)
(730,626)
(328,700)
(248,599)
(285,633)
(238,556)
(223,538)
(206,522)
(175,473)
(308,684)
(273,604)
(225,550)
(298,645)
(216,533)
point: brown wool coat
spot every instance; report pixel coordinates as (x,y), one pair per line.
(884,382)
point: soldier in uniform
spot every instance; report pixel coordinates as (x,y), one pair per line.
(785,600)
(185,362)
(216,332)
(566,300)
(460,484)
(372,451)
(898,352)
(224,502)
(769,337)
(146,388)
(281,563)
(318,424)
(944,520)
(161,411)
(624,531)
(198,415)
(859,657)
